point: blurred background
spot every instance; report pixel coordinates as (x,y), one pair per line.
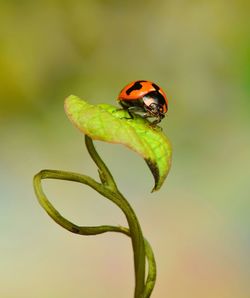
(198,223)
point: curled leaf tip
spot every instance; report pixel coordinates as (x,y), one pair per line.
(155,172)
(107,123)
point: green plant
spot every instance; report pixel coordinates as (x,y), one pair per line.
(107,123)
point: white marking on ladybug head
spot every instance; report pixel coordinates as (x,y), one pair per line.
(148,100)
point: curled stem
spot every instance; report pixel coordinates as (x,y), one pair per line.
(134,226)
(108,189)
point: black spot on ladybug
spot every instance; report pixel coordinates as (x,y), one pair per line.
(155,86)
(136,86)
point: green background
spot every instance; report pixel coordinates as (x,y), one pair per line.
(198,223)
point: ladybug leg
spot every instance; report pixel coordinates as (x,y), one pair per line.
(126,108)
(158,120)
(130,109)
(134,109)
(147,115)
(129,112)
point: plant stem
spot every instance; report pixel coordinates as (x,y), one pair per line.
(109,190)
(104,173)
(134,226)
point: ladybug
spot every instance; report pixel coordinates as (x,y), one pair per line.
(144,96)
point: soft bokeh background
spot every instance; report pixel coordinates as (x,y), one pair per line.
(198,223)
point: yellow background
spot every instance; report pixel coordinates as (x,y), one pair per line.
(198,223)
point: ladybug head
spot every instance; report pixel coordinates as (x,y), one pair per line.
(155,105)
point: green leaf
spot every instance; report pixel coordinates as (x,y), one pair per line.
(107,123)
